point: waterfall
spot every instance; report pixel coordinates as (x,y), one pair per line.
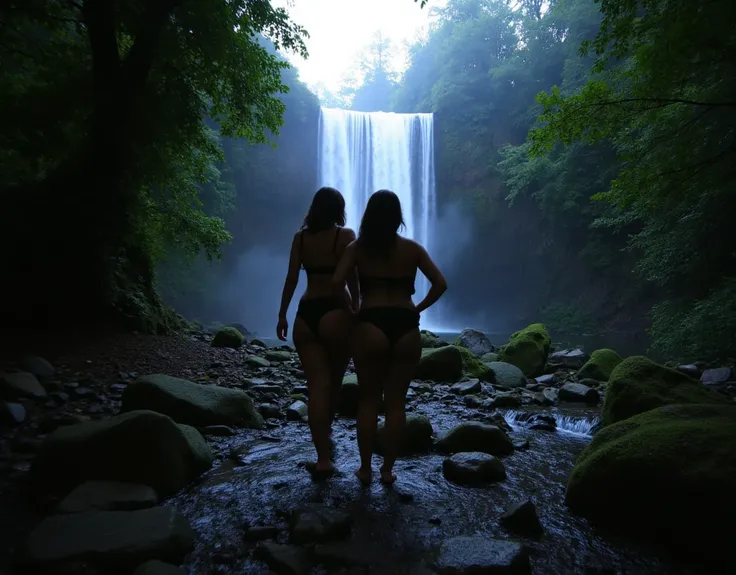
(361,152)
(565,423)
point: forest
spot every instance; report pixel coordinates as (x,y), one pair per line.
(590,142)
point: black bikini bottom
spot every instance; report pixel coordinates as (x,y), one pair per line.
(392,321)
(313,310)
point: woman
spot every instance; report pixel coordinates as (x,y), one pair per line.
(324,319)
(388,345)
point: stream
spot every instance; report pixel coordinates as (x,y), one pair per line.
(259,479)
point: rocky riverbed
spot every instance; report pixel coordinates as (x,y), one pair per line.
(225,489)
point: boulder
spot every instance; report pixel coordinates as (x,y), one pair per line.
(191,403)
(476,341)
(521,517)
(20,384)
(417,437)
(108,496)
(297,411)
(658,471)
(430,340)
(572,358)
(638,384)
(38,366)
(473,468)
(577,392)
(601,364)
(476,436)
(136,447)
(506,374)
(443,364)
(109,540)
(467,387)
(527,349)
(473,366)
(228,337)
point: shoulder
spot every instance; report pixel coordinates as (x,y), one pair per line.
(409,244)
(348,234)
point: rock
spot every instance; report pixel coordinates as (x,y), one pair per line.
(550,395)
(690,369)
(479,554)
(269,411)
(659,470)
(716,376)
(638,384)
(278,356)
(228,337)
(506,399)
(297,411)
(108,496)
(489,357)
(600,365)
(467,387)
(257,361)
(474,367)
(283,559)
(261,532)
(473,468)
(348,553)
(38,366)
(476,436)
(577,392)
(417,437)
(506,374)
(522,518)
(192,403)
(319,524)
(20,384)
(258,343)
(444,364)
(12,413)
(217,431)
(571,358)
(240,327)
(136,447)
(527,349)
(476,341)
(156,567)
(546,379)
(349,396)
(541,422)
(264,388)
(430,340)
(116,540)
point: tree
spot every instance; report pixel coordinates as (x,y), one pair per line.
(374,88)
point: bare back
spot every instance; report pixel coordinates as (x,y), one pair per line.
(389,282)
(319,254)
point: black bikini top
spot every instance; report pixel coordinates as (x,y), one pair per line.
(320,269)
(368,283)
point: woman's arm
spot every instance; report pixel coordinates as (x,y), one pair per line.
(345,269)
(435,277)
(352,279)
(292,277)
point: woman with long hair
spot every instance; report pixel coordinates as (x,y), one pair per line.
(387,341)
(325,318)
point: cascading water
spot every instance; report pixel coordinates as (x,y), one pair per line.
(361,152)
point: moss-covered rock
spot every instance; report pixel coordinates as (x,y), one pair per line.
(527,349)
(431,340)
(228,337)
(444,364)
(638,384)
(473,366)
(137,447)
(191,403)
(417,437)
(601,364)
(669,472)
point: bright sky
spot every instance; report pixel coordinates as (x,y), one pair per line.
(340,29)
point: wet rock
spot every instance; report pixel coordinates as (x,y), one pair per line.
(257,343)
(601,364)
(690,369)
(217,431)
(257,361)
(12,413)
(283,559)
(467,387)
(156,567)
(521,444)
(476,341)
(349,396)
(572,358)
(136,447)
(297,411)
(417,437)
(473,468)
(506,399)
(278,356)
(319,524)
(472,401)
(546,379)
(228,337)
(108,496)
(191,403)
(50,423)
(527,349)
(265,388)
(551,394)
(20,384)
(506,374)
(522,518)
(577,392)
(303,389)
(716,376)
(477,554)
(38,366)
(476,436)
(542,422)
(109,539)
(261,532)
(269,411)
(443,364)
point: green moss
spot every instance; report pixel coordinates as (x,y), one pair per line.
(661,470)
(527,349)
(443,364)
(430,340)
(638,384)
(228,337)
(600,365)
(474,367)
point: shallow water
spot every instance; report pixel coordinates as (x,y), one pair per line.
(398,529)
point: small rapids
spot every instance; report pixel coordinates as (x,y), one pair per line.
(259,479)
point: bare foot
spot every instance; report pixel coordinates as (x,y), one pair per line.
(364,475)
(320,470)
(387,476)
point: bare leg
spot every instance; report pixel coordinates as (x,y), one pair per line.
(404,360)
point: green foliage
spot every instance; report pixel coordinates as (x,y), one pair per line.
(568,318)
